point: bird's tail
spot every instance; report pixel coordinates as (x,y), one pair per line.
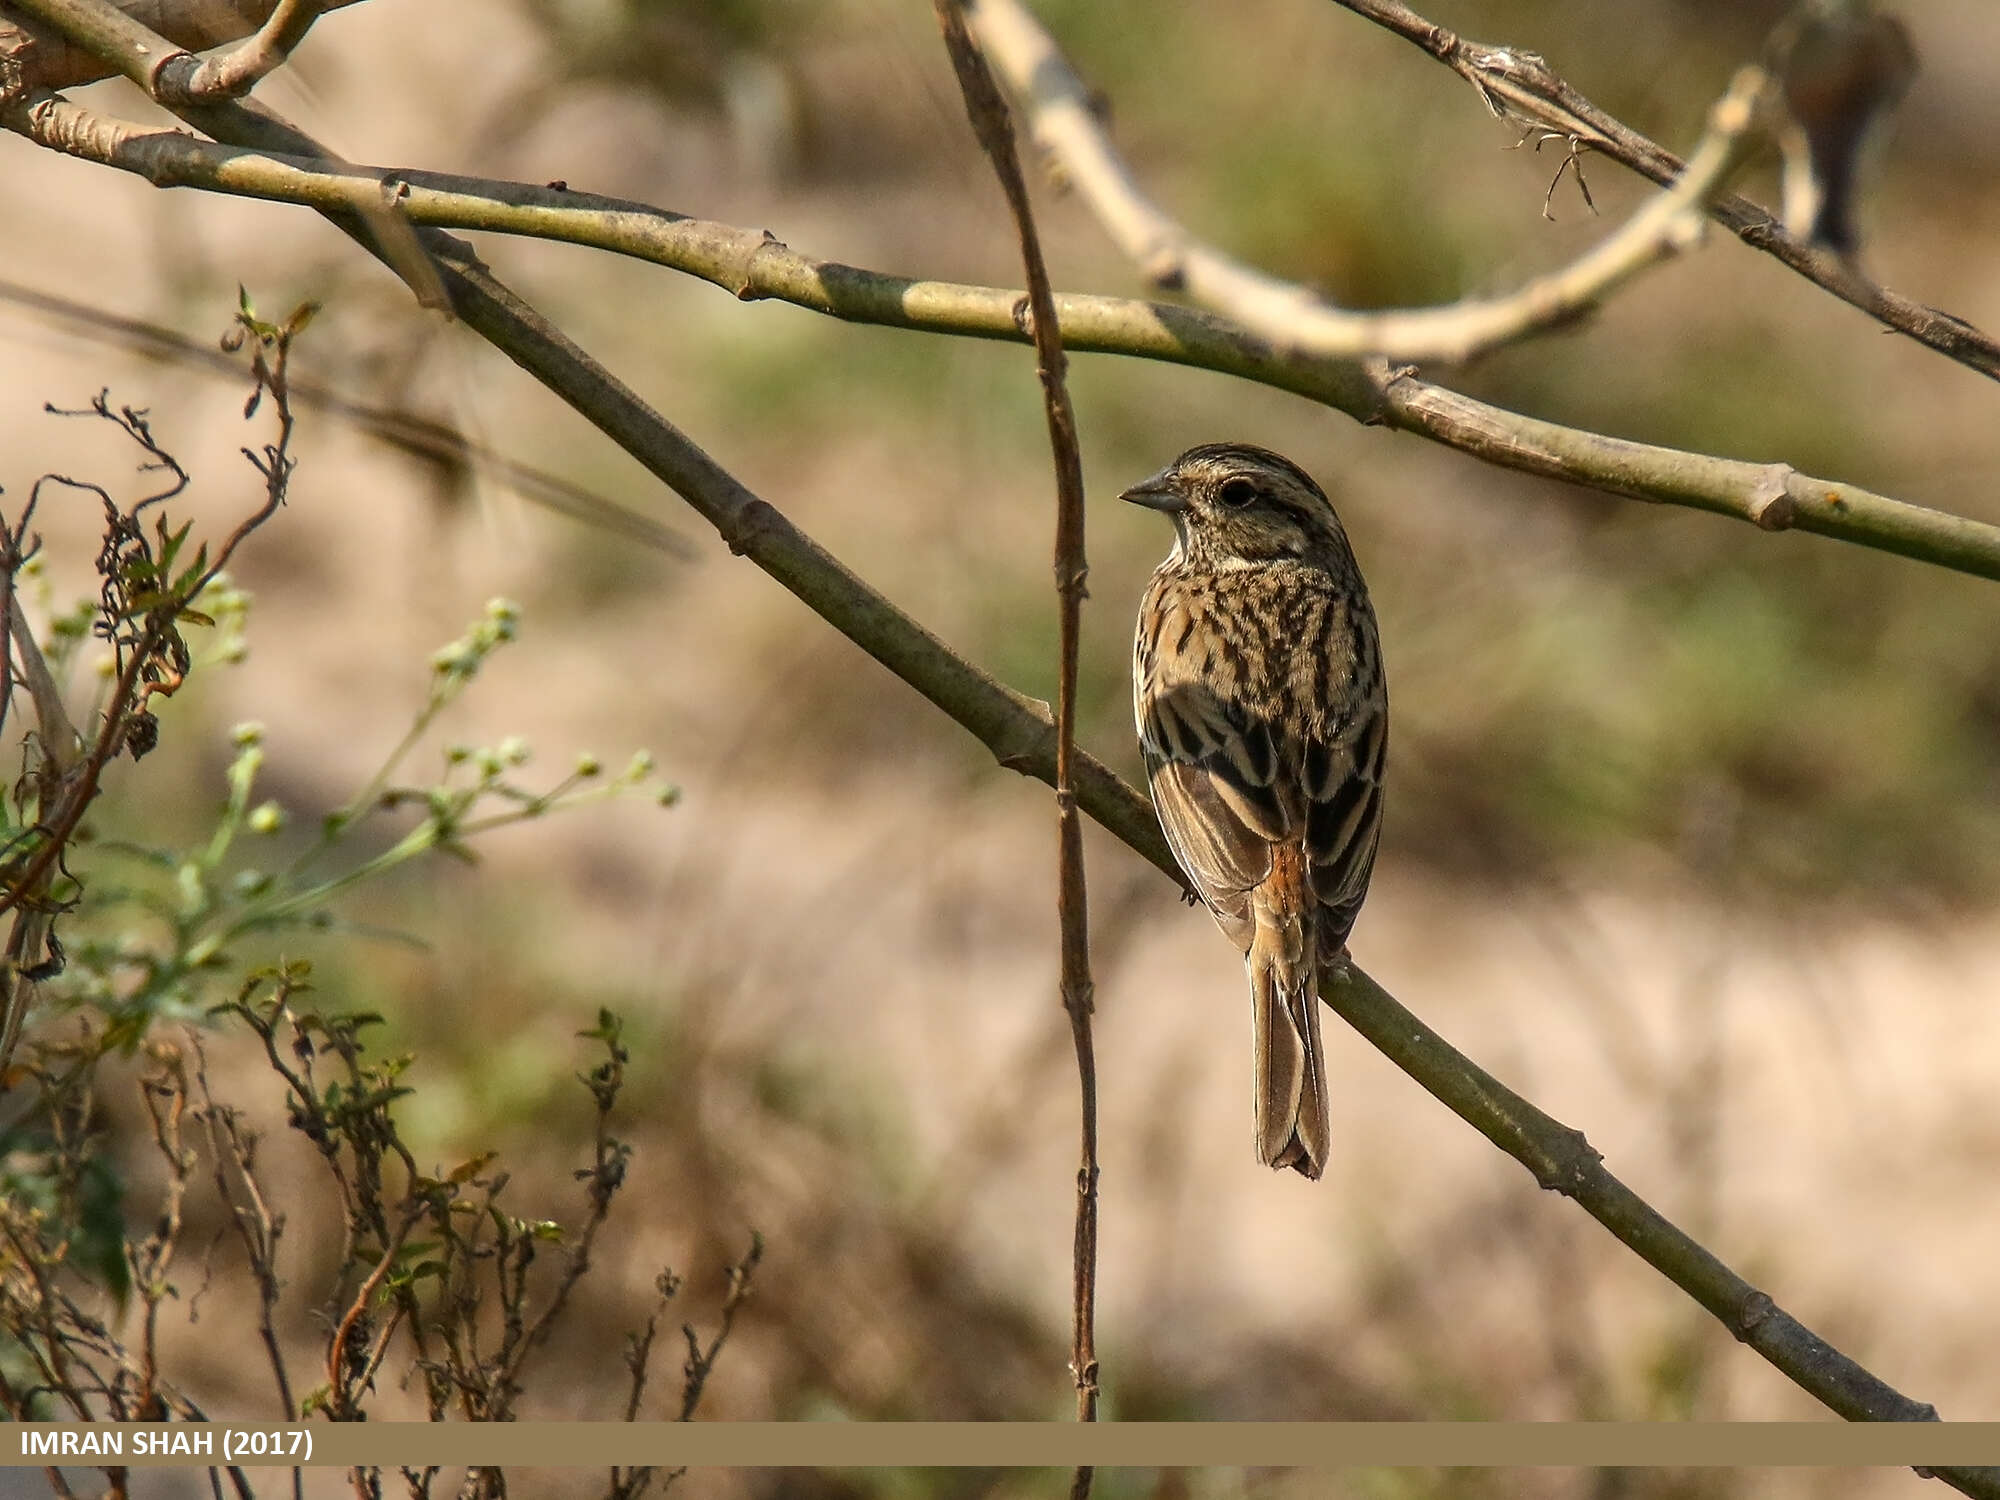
(1292,1115)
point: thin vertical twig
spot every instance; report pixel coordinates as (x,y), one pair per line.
(990,122)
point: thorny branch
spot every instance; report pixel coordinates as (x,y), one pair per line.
(988,112)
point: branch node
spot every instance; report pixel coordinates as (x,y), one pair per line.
(744,287)
(1164,267)
(1750,1312)
(1563,1167)
(1771,504)
(1382,376)
(756,520)
(170,80)
(1028,748)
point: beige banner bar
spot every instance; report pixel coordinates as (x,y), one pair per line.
(1017,1444)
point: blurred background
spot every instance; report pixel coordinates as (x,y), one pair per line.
(1691,833)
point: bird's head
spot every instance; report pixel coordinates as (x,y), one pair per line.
(1234,504)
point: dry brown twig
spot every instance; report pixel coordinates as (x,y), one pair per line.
(991,123)
(630,1483)
(79,1361)
(232,1151)
(701,1361)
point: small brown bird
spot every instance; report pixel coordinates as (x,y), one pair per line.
(1257,683)
(1843,68)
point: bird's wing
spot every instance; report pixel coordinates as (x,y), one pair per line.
(1343,785)
(1213,773)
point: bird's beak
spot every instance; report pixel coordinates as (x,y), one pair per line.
(1157,493)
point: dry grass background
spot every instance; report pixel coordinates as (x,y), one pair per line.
(1690,836)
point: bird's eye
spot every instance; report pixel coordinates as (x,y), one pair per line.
(1237,493)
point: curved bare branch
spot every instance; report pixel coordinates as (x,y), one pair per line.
(1058,109)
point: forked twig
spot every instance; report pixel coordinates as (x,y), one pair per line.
(1572,163)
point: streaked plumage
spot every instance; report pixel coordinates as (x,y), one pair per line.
(1258,689)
